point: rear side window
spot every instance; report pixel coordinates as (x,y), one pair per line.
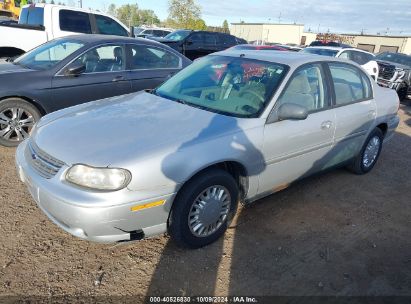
(350,84)
(73,21)
(227,40)
(108,26)
(210,39)
(145,57)
(32,16)
(361,58)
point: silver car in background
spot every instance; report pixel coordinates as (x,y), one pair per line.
(233,126)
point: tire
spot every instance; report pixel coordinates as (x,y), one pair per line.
(17,119)
(188,203)
(360,165)
(402,92)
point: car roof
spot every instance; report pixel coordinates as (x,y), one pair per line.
(292,59)
(98,38)
(333,48)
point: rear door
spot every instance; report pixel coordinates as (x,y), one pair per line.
(354,106)
(149,66)
(210,43)
(105,76)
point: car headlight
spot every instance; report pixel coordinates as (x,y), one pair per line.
(106,179)
(400,74)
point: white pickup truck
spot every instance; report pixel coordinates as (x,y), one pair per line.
(40,23)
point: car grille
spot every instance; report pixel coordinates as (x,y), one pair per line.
(386,71)
(43,163)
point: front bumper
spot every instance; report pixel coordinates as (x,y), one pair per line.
(94,216)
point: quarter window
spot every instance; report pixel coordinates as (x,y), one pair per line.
(145,57)
(306,88)
(350,84)
(73,21)
(108,26)
(109,58)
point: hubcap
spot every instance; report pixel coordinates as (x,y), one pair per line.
(209,211)
(15,124)
(371,151)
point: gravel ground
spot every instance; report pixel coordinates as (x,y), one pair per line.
(332,234)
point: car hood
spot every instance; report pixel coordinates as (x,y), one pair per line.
(7,68)
(127,127)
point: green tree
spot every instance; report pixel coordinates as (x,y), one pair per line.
(226,29)
(112,10)
(131,15)
(52,2)
(184,14)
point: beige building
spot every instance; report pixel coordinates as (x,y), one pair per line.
(294,33)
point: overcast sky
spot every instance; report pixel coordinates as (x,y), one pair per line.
(342,16)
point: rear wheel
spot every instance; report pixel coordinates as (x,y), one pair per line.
(17,119)
(366,159)
(203,209)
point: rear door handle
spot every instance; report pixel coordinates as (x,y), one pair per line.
(326,125)
(118,78)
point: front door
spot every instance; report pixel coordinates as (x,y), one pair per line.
(296,148)
(105,76)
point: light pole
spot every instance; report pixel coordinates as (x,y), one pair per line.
(80,3)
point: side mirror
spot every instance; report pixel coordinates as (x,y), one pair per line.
(292,111)
(76,70)
(189,42)
(288,111)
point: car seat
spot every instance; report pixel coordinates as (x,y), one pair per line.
(117,65)
(299,92)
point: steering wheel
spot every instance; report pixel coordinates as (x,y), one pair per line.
(254,94)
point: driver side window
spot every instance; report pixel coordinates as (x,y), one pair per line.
(306,88)
(108,58)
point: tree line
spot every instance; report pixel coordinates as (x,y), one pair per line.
(182,14)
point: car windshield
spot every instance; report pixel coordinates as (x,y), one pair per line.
(49,54)
(234,86)
(320,51)
(177,35)
(397,58)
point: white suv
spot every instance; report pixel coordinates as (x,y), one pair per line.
(363,58)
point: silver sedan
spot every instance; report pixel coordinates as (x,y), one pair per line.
(232,127)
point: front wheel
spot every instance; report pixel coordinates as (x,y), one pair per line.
(203,209)
(17,118)
(366,159)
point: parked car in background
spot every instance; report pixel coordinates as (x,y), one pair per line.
(258,47)
(365,59)
(395,72)
(76,69)
(141,32)
(195,44)
(293,48)
(40,23)
(233,126)
(329,43)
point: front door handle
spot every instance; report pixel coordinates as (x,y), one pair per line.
(326,125)
(118,78)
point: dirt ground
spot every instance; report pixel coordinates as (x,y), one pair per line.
(332,234)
